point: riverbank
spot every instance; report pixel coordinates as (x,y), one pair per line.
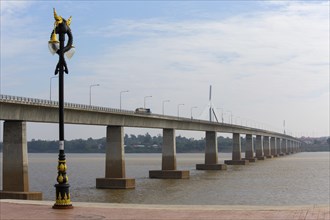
(40,210)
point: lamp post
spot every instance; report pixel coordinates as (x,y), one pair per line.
(90,92)
(50,87)
(191,111)
(179,109)
(221,114)
(145,97)
(163,104)
(230,117)
(236,120)
(62,28)
(121,92)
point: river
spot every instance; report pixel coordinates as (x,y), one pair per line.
(299,179)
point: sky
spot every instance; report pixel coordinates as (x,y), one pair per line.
(267,61)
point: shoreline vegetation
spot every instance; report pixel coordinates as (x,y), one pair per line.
(153,144)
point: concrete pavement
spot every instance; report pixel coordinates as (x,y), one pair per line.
(42,210)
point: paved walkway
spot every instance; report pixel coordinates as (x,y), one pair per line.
(22,209)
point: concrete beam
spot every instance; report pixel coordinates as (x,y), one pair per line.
(15,169)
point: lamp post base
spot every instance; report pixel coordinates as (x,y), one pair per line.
(62,206)
(62,197)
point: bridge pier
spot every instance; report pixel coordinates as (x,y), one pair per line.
(297,147)
(115,174)
(236,155)
(279,146)
(259,148)
(283,147)
(266,143)
(211,153)
(273,146)
(290,146)
(169,159)
(249,151)
(15,177)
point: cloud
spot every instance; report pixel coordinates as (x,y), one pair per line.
(271,44)
(280,56)
(263,65)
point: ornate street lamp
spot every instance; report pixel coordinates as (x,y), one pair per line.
(62,28)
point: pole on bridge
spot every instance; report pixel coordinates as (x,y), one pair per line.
(61,27)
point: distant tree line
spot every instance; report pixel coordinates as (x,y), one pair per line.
(153,144)
(133,144)
(316,144)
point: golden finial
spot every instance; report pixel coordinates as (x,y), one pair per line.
(68,22)
(58,19)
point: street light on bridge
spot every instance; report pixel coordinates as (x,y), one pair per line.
(90,92)
(121,92)
(221,114)
(179,109)
(230,117)
(62,28)
(145,97)
(191,111)
(163,105)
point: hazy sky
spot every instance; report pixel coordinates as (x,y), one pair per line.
(267,61)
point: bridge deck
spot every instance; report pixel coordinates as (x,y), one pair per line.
(38,110)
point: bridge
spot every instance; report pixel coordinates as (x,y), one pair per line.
(17,111)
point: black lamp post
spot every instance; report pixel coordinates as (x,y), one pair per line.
(61,27)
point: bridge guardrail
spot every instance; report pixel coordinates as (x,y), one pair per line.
(51,103)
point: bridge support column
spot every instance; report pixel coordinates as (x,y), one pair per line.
(169,159)
(297,147)
(279,146)
(249,151)
(259,148)
(115,176)
(267,151)
(273,146)
(211,153)
(283,147)
(290,146)
(236,155)
(15,178)
(287,146)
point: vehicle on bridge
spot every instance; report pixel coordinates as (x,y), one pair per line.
(143,111)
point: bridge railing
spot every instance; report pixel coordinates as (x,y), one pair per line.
(44,102)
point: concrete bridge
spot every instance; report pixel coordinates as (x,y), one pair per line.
(16,111)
